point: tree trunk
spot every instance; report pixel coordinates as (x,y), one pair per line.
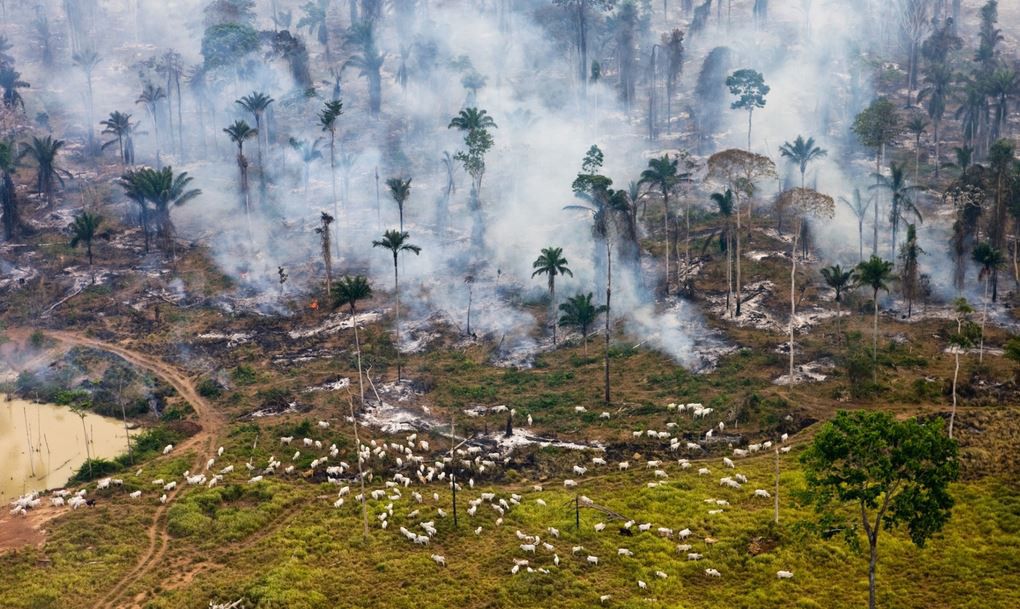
(860,237)
(878,181)
(956,374)
(872,564)
(609,293)
(357,346)
(874,340)
(552,299)
(750,113)
(793,288)
(396,292)
(984,317)
(85,436)
(665,225)
(332,175)
(737,254)
(775,515)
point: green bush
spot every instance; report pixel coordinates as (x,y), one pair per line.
(210,388)
(244,375)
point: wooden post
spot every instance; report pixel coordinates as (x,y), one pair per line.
(577,513)
(775,516)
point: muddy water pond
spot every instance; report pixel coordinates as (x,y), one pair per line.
(42,445)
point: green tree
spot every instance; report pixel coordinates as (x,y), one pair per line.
(579,312)
(910,270)
(724,202)
(314,20)
(8,192)
(238,133)
(120,126)
(749,87)
(257,103)
(368,60)
(868,467)
(150,98)
(581,10)
(84,231)
(331,112)
(397,243)
(840,280)
(228,44)
(859,205)
(327,256)
(917,126)
(938,81)
(347,292)
(475,124)
(802,152)
(902,200)
(165,191)
(10,82)
(400,190)
(876,127)
(876,274)
(662,173)
(550,262)
(990,258)
(45,152)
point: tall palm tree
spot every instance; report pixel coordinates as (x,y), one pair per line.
(8,193)
(309,153)
(910,275)
(802,152)
(10,82)
(327,254)
(150,97)
(902,203)
(1001,86)
(131,182)
(938,80)
(724,202)
(238,133)
(400,190)
(347,292)
(840,281)
(368,61)
(917,126)
(328,116)
(859,205)
(120,126)
(973,113)
(314,20)
(579,312)
(44,153)
(876,274)
(990,258)
(257,103)
(84,230)
(662,173)
(88,60)
(396,242)
(550,262)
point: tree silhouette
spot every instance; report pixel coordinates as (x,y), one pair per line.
(400,190)
(347,292)
(257,103)
(327,254)
(368,61)
(749,87)
(550,262)
(578,312)
(662,173)
(8,192)
(875,273)
(840,281)
(397,243)
(149,98)
(84,229)
(44,152)
(802,152)
(724,202)
(119,125)
(859,206)
(877,126)
(238,133)
(10,82)
(902,201)
(331,112)
(990,258)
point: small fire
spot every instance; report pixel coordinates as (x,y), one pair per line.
(314,305)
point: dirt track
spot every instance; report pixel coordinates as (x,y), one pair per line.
(16,532)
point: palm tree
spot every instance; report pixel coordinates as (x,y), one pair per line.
(973,112)
(327,257)
(119,125)
(348,291)
(165,191)
(910,277)
(369,61)
(1000,86)
(331,111)
(859,206)
(43,152)
(309,153)
(150,97)
(917,126)
(959,343)
(314,20)
(257,103)
(580,313)
(839,280)
(662,172)
(802,152)
(990,258)
(82,409)
(131,182)
(87,60)
(876,274)
(400,190)
(472,119)
(396,242)
(902,202)
(469,281)
(8,191)
(938,79)
(10,82)
(724,203)
(84,230)
(551,263)
(238,133)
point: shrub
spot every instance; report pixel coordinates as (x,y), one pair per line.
(210,388)
(244,375)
